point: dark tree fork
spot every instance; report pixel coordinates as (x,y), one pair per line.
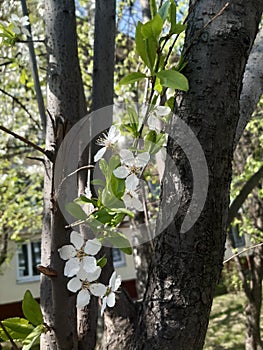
(185,268)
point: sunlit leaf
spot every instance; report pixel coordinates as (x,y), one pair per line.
(173,79)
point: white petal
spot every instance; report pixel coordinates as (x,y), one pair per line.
(112,280)
(127,157)
(24,21)
(76,239)
(103,306)
(153,123)
(67,251)
(74,285)
(92,246)
(161,110)
(142,159)
(93,276)
(113,134)
(131,182)
(82,274)
(83,298)
(89,264)
(100,154)
(98,289)
(71,267)
(136,204)
(16,29)
(111,299)
(121,172)
(127,199)
(117,283)
(14,18)
(25,31)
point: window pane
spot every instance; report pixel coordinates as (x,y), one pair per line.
(23,261)
(36,256)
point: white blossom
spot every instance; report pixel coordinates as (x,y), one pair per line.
(107,141)
(19,24)
(131,197)
(82,283)
(109,296)
(79,255)
(131,164)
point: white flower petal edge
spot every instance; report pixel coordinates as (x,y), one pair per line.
(92,247)
(111,299)
(142,159)
(121,172)
(132,182)
(74,284)
(89,264)
(72,267)
(66,252)
(100,154)
(83,298)
(98,289)
(76,239)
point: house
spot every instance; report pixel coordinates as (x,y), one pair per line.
(20,274)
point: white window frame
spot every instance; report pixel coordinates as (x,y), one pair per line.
(30,277)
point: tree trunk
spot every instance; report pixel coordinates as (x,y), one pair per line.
(65,105)
(186,265)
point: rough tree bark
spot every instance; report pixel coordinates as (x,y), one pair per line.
(186,266)
(65,105)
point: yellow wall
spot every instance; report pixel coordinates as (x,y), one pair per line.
(10,289)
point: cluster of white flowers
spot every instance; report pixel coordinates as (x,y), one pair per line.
(19,24)
(82,264)
(129,170)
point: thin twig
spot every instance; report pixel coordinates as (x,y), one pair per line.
(243,251)
(21,105)
(29,143)
(14,346)
(205,26)
(69,175)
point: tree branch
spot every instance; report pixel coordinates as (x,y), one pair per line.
(29,143)
(252,85)
(33,62)
(14,346)
(21,105)
(245,191)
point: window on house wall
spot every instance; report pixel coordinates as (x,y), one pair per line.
(118,258)
(28,257)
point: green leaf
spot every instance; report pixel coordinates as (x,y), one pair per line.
(33,338)
(103,167)
(153,8)
(119,240)
(163,11)
(102,262)
(132,78)
(17,327)
(153,28)
(114,162)
(83,199)
(146,47)
(109,199)
(117,186)
(113,211)
(173,79)
(31,309)
(75,210)
(98,182)
(178,28)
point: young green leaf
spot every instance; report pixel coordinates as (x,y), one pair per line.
(18,328)
(153,8)
(178,28)
(33,338)
(118,240)
(75,210)
(140,43)
(98,182)
(173,79)
(103,167)
(102,262)
(132,78)
(164,10)
(153,28)
(31,309)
